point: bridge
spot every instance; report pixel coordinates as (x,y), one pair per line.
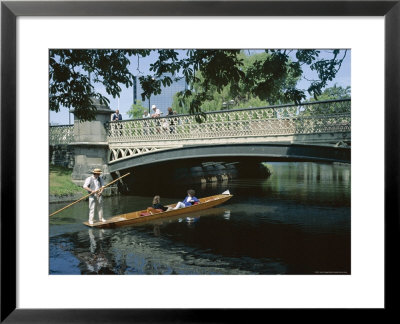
(316,131)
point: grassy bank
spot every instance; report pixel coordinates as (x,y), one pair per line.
(61,183)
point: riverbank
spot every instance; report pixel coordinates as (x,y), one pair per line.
(53,199)
(61,187)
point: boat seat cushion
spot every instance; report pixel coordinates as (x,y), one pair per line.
(151,211)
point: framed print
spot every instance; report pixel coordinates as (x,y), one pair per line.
(370,29)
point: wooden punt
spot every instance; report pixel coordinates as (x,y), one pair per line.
(149,214)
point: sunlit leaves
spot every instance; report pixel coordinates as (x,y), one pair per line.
(271,77)
(73,73)
(307,56)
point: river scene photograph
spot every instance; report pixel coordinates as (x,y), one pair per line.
(200,162)
(195,168)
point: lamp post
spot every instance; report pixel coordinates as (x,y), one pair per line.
(153,79)
(134,90)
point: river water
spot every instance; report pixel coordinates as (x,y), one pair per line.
(297,221)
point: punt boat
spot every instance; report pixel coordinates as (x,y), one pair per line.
(151,214)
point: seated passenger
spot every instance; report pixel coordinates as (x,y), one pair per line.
(157,204)
(188,201)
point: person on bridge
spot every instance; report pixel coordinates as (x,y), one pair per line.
(156,112)
(116,116)
(170,111)
(92,184)
(171,121)
(157,204)
(188,201)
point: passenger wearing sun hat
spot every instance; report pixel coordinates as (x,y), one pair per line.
(94,185)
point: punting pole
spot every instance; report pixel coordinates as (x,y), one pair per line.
(56,212)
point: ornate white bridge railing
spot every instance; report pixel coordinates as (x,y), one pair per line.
(59,135)
(277,123)
(133,137)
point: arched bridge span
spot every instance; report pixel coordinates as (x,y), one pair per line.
(236,152)
(252,131)
(313,131)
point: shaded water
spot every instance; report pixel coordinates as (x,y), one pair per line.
(295,222)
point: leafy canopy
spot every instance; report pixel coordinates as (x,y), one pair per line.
(334,93)
(73,73)
(243,94)
(271,78)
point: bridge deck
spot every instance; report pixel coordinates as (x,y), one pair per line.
(297,130)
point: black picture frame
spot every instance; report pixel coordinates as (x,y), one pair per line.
(10,10)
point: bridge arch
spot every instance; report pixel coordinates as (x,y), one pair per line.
(234,152)
(313,131)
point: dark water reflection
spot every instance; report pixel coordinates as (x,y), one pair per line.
(295,222)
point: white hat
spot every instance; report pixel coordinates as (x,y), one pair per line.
(154,107)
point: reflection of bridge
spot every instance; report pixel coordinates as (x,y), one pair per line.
(318,131)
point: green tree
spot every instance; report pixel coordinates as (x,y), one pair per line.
(331,93)
(137,110)
(270,87)
(272,78)
(240,95)
(335,92)
(266,79)
(73,73)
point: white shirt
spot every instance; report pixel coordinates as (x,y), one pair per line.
(93,184)
(157,112)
